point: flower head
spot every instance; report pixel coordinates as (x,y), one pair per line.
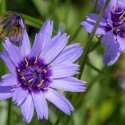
(112,26)
(36,73)
(11,26)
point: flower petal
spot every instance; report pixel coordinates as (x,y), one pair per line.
(19,95)
(112,52)
(89,26)
(42,38)
(8,61)
(27,108)
(13,52)
(90,22)
(9,80)
(93,18)
(40,105)
(63,70)
(111,55)
(59,100)
(25,44)
(69,84)
(6,92)
(54,47)
(69,55)
(121,42)
(108,39)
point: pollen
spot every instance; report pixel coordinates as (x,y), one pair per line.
(40,83)
(36,59)
(23,77)
(122,15)
(18,70)
(49,65)
(117,30)
(122,20)
(30,80)
(44,71)
(114,8)
(26,61)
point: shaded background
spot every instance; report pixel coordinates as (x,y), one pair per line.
(104,101)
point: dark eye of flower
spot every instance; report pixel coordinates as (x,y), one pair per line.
(118,19)
(34,74)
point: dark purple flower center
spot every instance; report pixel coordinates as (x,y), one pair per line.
(118,19)
(34,74)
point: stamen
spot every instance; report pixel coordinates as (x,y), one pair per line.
(36,59)
(40,83)
(30,80)
(44,71)
(18,70)
(23,77)
(30,88)
(26,61)
(114,8)
(122,15)
(117,30)
(122,20)
(49,65)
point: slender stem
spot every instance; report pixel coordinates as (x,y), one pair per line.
(96,69)
(9,120)
(31,21)
(87,46)
(2,6)
(34,22)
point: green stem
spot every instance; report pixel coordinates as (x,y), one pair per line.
(31,21)
(88,44)
(96,69)
(9,120)
(2,6)
(34,22)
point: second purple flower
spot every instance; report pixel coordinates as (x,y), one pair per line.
(112,27)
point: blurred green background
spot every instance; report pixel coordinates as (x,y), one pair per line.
(104,101)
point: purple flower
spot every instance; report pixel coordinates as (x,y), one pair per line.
(112,26)
(11,26)
(35,72)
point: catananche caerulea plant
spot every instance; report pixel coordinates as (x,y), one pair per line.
(36,73)
(112,27)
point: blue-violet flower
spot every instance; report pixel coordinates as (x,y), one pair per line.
(36,73)
(112,27)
